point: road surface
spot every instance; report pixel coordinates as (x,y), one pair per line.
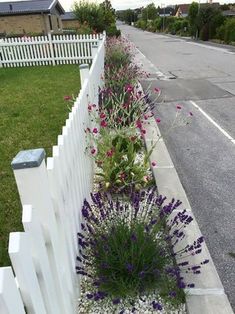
(201,78)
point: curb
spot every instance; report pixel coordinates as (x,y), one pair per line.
(208,296)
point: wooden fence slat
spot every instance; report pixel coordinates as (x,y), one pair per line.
(10,298)
(19,252)
(33,188)
(48,286)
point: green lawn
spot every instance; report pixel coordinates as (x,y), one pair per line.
(32,113)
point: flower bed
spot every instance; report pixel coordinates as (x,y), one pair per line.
(128,244)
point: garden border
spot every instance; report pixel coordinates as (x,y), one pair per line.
(208,296)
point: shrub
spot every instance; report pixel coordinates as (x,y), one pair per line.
(229,34)
(130,249)
(122,164)
(141,24)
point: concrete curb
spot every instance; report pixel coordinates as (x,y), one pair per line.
(208,296)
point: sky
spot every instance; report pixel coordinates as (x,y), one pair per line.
(132,4)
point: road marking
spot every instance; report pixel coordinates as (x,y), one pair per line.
(205,291)
(211,47)
(213,122)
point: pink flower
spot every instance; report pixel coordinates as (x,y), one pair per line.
(157,90)
(146,117)
(153,163)
(102,115)
(129,88)
(138,124)
(103,124)
(67,98)
(143,131)
(178,107)
(93,151)
(158,120)
(94,105)
(109,153)
(122,175)
(95,131)
(89,107)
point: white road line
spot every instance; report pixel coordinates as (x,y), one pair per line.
(224,50)
(205,291)
(213,122)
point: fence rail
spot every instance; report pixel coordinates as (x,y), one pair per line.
(43,257)
(47,50)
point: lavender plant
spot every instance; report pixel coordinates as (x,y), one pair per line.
(128,250)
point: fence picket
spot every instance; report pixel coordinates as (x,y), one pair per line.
(48,287)
(22,262)
(44,256)
(9,292)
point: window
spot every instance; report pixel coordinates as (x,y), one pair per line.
(58,23)
(50,22)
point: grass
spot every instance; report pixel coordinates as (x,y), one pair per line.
(32,113)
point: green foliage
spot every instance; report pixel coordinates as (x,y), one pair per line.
(229,32)
(113,31)
(89,13)
(133,270)
(141,24)
(98,17)
(117,160)
(128,16)
(208,19)
(150,12)
(32,112)
(193,17)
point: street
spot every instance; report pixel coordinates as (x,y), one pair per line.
(200,78)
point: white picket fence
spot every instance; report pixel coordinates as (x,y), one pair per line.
(43,279)
(47,50)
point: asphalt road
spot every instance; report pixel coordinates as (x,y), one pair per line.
(204,151)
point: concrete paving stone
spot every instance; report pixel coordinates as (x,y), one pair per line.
(160,154)
(208,304)
(169,185)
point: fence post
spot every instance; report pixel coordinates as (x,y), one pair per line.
(10,298)
(84,73)
(33,186)
(51,48)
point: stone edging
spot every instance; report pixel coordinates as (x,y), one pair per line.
(208,296)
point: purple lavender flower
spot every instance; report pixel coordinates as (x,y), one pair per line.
(157,306)
(116,301)
(129,267)
(133,237)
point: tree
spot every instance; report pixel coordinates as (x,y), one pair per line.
(109,12)
(193,18)
(150,12)
(209,19)
(89,13)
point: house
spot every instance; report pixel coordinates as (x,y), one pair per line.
(32,16)
(69,21)
(184,8)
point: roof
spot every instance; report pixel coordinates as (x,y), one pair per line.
(229,13)
(30,6)
(68,16)
(184,8)
(166,11)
